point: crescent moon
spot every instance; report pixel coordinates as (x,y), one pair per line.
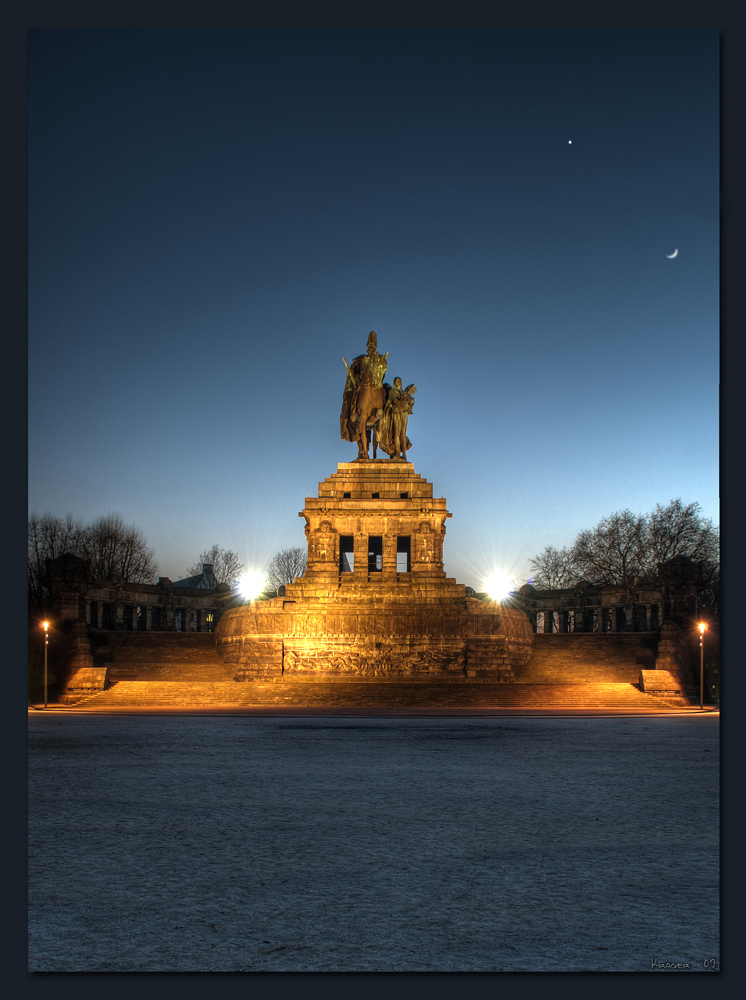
(672,255)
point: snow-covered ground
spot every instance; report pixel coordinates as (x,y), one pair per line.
(375,844)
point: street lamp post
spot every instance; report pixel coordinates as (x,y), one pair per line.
(702,628)
(46,644)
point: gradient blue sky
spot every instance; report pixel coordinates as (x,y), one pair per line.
(217,216)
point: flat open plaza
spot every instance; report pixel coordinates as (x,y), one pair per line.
(369,843)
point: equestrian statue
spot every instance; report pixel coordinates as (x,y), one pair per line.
(372,410)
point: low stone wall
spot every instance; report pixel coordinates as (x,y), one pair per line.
(582,658)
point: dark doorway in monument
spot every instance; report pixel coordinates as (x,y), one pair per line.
(107,615)
(346,553)
(375,553)
(141,618)
(621,620)
(155,619)
(403,554)
(654,621)
(641,618)
(604,621)
(128,616)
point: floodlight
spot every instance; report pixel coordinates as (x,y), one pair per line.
(498,586)
(251,584)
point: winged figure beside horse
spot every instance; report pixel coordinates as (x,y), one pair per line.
(372,410)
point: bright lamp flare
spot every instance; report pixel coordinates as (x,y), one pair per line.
(499,585)
(702,628)
(251,584)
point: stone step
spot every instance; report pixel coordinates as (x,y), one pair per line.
(282,693)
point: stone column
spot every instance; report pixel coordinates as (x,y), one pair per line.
(439,539)
(360,569)
(201,616)
(389,557)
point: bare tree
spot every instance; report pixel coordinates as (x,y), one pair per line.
(48,537)
(109,544)
(613,551)
(626,545)
(112,546)
(286,566)
(553,569)
(225,563)
(680,530)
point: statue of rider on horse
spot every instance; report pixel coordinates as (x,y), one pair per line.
(372,408)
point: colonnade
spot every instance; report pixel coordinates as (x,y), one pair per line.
(148,617)
(628,618)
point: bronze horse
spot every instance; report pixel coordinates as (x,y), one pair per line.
(369,401)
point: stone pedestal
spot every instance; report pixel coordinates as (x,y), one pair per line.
(375,622)
(661,683)
(82,676)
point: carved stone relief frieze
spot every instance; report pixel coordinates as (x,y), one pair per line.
(375,659)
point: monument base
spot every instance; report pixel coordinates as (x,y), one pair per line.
(375,601)
(303,640)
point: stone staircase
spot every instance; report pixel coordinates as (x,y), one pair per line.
(589,658)
(341,694)
(159,656)
(172,669)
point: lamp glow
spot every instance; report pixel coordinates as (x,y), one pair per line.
(251,584)
(45,626)
(499,585)
(702,628)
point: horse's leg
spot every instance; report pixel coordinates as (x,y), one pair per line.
(375,441)
(362,440)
